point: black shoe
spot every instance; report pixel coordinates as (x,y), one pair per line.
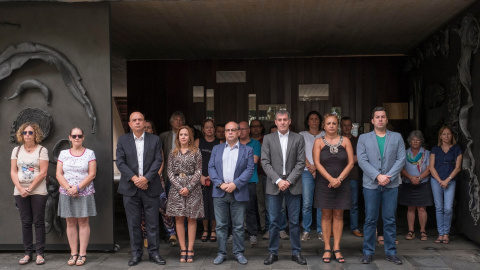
(367,259)
(271,258)
(394,259)
(134,261)
(298,258)
(157,259)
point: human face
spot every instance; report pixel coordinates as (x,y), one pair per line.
(76,141)
(136,122)
(415,143)
(256,128)
(208,129)
(282,123)
(313,121)
(176,123)
(220,133)
(148,127)
(27,138)
(380,120)
(244,130)
(331,125)
(231,132)
(273,130)
(183,137)
(446,136)
(346,127)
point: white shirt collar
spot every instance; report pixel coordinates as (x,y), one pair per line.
(140,138)
(236,145)
(281,135)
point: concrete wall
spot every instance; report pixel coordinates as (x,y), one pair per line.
(81,32)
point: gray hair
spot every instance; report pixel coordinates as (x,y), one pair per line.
(415,134)
(175,114)
(282,112)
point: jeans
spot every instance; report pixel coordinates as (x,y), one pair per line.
(251,217)
(387,198)
(32,211)
(354,209)
(443,198)
(308,188)
(275,209)
(227,208)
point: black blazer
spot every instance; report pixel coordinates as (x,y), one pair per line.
(127,163)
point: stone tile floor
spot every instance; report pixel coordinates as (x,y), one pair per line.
(461,253)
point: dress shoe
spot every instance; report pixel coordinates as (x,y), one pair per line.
(394,259)
(357,233)
(158,260)
(271,258)
(266,235)
(298,258)
(241,259)
(220,259)
(367,259)
(134,261)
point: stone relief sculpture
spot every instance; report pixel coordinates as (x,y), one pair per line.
(438,44)
(52,220)
(14,56)
(42,118)
(31,84)
(469,33)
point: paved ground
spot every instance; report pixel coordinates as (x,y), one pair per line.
(459,254)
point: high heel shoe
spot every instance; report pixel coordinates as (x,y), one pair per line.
(183,257)
(190,258)
(339,259)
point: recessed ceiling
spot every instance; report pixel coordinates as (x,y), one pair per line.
(270,28)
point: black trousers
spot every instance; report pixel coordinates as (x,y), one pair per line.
(32,211)
(133,211)
(251,213)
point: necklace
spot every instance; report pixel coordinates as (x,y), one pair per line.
(333,148)
(29,150)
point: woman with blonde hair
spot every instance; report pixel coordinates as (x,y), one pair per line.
(445,164)
(185,195)
(29,164)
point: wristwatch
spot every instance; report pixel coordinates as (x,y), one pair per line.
(219,185)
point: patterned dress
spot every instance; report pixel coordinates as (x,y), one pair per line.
(189,164)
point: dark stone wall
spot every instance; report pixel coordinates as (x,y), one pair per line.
(442,95)
(81,33)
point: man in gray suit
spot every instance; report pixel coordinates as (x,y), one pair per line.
(381,156)
(168,142)
(283,160)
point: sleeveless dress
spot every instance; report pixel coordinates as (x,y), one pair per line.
(206,150)
(332,198)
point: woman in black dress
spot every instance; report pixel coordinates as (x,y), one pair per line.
(205,145)
(333,158)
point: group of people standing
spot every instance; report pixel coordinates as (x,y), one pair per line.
(219,177)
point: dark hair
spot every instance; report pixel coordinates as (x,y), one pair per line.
(261,125)
(379,109)
(76,128)
(307,127)
(346,118)
(220,125)
(273,126)
(153,126)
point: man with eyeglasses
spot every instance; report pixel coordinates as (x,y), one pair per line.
(251,217)
(283,160)
(230,167)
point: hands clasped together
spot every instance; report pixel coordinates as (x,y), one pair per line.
(383,179)
(228,187)
(141,182)
(335,183)
(72,191)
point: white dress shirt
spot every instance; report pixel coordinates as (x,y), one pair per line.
(139,144)
(283,144)
(229,159)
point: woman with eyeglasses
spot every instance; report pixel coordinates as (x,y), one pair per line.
(416,191)
(76,169)
(29,164)
(445,164)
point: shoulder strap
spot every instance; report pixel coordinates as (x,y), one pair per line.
(18,150)
(40,151)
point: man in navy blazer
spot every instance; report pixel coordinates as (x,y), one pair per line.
(381,156)
(230,167)
(139,157)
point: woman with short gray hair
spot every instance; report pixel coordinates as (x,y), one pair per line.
(416,192)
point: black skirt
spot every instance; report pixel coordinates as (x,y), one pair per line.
(415,195)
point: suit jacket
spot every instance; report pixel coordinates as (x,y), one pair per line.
(127,163)
(370,162)
(272,161)
(167,140)
(243,171)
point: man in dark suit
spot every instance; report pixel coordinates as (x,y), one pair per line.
(139,157)
(283,160)
(230,167)
(168,142)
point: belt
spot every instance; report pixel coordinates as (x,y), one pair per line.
(183,174)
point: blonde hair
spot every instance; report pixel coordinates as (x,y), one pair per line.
(327,115)
(440,134)
(36,131)
(191,145)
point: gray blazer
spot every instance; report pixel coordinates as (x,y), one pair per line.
(167,140)
(272,161)
(370,162)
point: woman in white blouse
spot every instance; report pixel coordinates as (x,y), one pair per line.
(76,169)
